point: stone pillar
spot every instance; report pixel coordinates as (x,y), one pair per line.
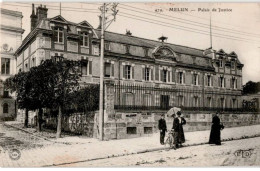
(109,113)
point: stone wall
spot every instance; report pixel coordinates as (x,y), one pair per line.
(77,123)
(137,124)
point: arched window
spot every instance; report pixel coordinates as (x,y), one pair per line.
(5,108)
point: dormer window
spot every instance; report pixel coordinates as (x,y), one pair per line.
(84,39)
(220,63)
(233,65)
(58,35)
(107,46)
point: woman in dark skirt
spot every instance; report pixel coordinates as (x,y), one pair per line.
(215,130)
(182,122)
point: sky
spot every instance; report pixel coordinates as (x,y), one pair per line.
(234,28)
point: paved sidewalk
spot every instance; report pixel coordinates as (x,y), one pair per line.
(86,149)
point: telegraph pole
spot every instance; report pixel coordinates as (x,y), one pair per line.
(104,10)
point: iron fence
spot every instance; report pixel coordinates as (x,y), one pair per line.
(138,97)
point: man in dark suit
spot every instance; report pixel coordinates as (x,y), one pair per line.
(163,128)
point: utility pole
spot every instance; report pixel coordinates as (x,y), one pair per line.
(210,31)
(60,8)
(105,8)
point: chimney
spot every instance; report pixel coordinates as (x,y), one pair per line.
(41,12)
(33,18)
(128,33)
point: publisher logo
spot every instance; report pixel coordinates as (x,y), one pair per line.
(14,154)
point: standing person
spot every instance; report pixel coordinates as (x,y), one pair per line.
(182,121)
(163,128)
(176,128)
(215,130)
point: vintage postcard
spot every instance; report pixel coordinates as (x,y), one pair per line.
(85,84)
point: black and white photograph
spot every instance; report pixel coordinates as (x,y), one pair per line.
(129,84)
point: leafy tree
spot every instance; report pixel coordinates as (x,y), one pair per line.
(21,84)
(251,87)
(63,80)
(84,100)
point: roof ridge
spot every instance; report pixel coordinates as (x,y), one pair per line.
(152,40)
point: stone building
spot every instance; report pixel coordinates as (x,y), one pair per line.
(10,39)
(141,73)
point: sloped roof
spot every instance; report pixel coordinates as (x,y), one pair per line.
(137,41)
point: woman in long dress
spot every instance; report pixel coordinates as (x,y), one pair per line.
(216,127)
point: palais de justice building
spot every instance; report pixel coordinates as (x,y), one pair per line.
(192,78)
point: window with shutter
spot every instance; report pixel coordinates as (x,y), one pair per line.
(152,74)
(157,73)
(107,69)
(183,77)
(112,70)
(169,76)
(173,75)
(90,67)
(133,72)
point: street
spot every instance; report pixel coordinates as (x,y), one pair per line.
(199,156)
(82,151)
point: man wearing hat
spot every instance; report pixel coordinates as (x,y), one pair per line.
(179,137)
(163,128)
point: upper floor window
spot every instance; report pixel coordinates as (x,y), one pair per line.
(181,101)
(33,62)
(222,82)
(26,67)
(6,93)
(164,75)
(195,79)
(5,108)
(107,46)
(107,69)
(232,64)
(221,63)
(181,77)
(58,35)
(222,102)
(209,80)
(234,103)
(196,101)
(5,66)
(84,39)
(209,101)
(84,67)
(128,71)
(147,74)
(233,83)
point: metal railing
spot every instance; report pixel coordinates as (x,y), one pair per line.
(138,97)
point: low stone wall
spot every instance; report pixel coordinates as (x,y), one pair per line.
(76,123)
(136,124)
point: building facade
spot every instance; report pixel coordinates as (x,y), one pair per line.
(11,38)
(145,74)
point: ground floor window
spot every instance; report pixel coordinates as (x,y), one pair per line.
(5,108)
(165,101)
(131,130)
(148,130)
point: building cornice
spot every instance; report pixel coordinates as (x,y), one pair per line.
(12,13)
(13,29)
